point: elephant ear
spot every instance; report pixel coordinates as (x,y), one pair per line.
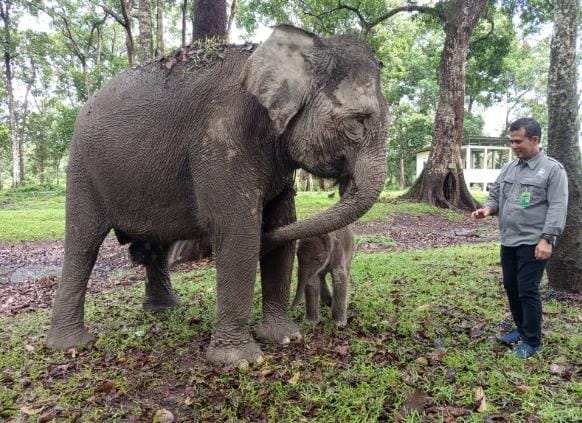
(280,73)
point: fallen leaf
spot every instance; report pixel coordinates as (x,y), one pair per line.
(329,363)
(522,389)
(188,401)
(343,350)
(163,416)
(481,403)
(30,411)
(48,416)
(414,401)
(557,369)
(477,331)
(423,361)
(424,307)
(29,348)
(267,372)
(437,355)
(295,378)
(104,387)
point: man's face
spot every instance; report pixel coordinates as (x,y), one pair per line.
(524,148)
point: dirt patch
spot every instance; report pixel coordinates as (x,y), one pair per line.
(29,272)
(427,231)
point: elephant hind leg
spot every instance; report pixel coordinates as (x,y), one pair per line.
(159,295)
(84,235)
(325,294)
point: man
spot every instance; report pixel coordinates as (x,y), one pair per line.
(530,196)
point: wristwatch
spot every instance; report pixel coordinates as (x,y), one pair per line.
(550,238)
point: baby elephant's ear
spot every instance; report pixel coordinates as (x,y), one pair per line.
(278,73)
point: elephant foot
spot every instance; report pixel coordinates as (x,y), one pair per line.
(229,353)
(341,323)
(60,339)
(157,304)
(278,331)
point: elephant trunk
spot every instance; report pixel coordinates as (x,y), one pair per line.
(365,184)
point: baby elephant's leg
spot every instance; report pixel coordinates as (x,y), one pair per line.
(339,307)
(312,299)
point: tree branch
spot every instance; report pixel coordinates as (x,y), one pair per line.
(422,9)
(114,15)
(483,38)
(368,25)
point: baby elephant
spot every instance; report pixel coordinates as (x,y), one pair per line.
(318,256)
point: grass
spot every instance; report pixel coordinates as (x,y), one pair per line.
(309,203)
(421,321)
(418,345)
(32,213)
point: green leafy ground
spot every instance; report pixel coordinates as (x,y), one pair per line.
(419,345)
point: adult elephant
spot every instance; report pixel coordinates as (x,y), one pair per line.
(169,151)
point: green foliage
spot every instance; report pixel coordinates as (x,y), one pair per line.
(492,41)
(410,132)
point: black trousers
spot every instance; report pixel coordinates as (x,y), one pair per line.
(522,275)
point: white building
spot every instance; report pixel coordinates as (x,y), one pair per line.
(482,157)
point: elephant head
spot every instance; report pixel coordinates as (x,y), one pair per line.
(325,103)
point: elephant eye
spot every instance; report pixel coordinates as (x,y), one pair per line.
(355,126)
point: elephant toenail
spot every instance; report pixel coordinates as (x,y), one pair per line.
(286,341)
(243,365)
(260,360)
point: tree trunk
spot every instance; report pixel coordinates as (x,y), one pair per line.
(231,16)
(126,6)
(16,159)
(308,182)
(209,19)
(145,31)
(442,182)
(565,266)
(402,177)
(321,184)
(184,19)
(160,47)
(23,124)
(41,169)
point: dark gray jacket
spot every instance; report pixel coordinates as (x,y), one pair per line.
(531,198)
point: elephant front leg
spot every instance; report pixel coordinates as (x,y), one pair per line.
(237,253)
(276,268)
(339,307)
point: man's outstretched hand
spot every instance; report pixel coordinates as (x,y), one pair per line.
(482,213)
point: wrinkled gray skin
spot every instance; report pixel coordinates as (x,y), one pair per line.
(317,257)
(161,155)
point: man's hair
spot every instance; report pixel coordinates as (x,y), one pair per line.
(531,126)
